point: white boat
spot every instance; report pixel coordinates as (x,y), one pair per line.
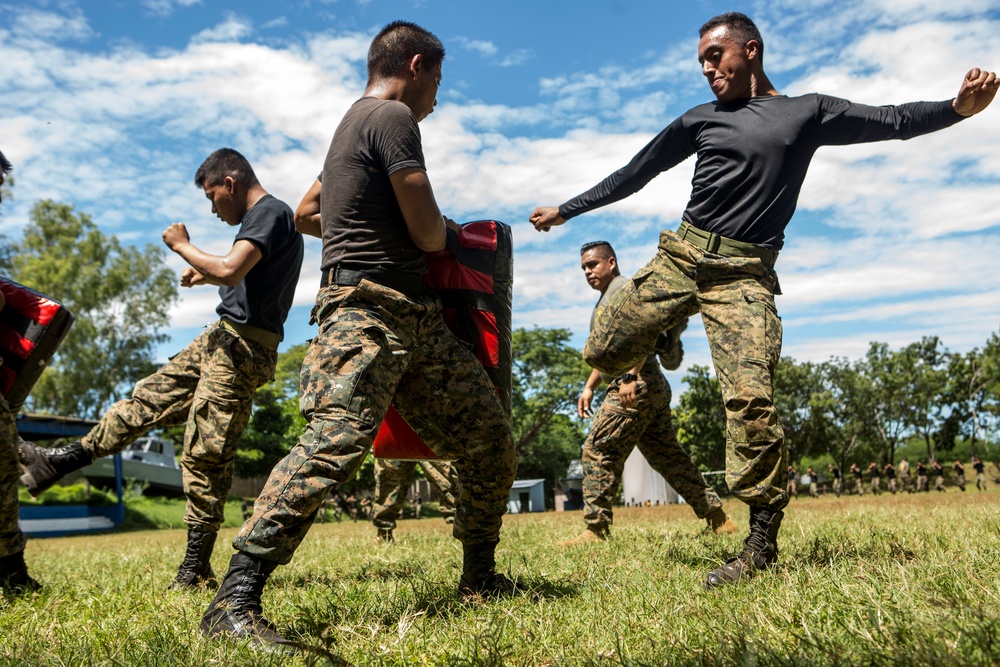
(149,463)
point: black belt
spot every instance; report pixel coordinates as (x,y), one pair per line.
(410,284)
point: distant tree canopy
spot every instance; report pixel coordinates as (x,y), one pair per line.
(861,410)
(119,294)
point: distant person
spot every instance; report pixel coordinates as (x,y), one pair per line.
(418,504)
(922,476)
(859,486)
(890,475)
(875,476)
(392,479)
(246,508)
(635,413)
(980,469)
(904,475)
(792,487)
(838,481)
(752,149)
(959,474)
(210,384)
(938,470)
(813,482)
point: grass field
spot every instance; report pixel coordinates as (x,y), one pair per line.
(893,580)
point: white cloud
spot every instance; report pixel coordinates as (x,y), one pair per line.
(233,29)
(166,7)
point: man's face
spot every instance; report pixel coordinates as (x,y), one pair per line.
(428,81)
(224,204)
(726,65)
(599,271)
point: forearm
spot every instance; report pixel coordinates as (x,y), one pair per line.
(213,269)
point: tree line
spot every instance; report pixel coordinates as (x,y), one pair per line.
(861,409)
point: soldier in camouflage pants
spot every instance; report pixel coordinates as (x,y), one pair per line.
(13,571)
(392,477)
(635,413)
(374,346)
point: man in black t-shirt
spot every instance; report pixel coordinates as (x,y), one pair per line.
(381,340)
(890,475)
(938,475)
(859,486)
(922,476)
(210,384)
(753,149)
(838,482)
(875,477)
(980,473)
(959,474)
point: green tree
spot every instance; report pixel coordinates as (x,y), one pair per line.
(119,294)
(889,380)
(843,409)
(794,387)
(976,379)
(548,376)
(929,403)
(701,419)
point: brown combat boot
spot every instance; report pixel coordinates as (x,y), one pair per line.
(479,576)
(719,523)
(760,549)
(590,535)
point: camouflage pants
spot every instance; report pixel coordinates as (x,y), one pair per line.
(980,481)
(906,482)
(735,296)
(859,486)
(792,489)
(837,484)
(960,481)
(210,385)
(392,477)
(876,485)
(617,430)
(892,485)
(374,346)
(939,483)
(922,483)
(12,540)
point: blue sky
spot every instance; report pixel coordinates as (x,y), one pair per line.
(111,106)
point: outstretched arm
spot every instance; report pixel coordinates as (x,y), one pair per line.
(978,89)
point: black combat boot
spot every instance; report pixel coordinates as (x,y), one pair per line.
(384,536)
(760,549)
(196,568)
(42,467)
(236,610)
(14,577)
(479,575)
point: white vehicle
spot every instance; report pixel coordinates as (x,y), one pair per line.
(148,462)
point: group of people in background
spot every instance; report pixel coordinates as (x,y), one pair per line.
(902,478)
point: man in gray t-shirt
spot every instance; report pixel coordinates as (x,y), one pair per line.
(635,413)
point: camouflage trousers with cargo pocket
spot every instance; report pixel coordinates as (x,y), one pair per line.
(392,477)
(618,430)
(12,540)
(375,347)
(209,385)
(735,296)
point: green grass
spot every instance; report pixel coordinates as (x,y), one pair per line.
(893,580)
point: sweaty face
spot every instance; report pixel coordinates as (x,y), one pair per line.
(599,271)
(725,64)
(430,81)
(223,203)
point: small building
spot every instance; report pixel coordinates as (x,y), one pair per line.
(527,495)
(569,493)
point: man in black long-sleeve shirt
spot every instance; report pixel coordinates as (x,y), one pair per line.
(753,148)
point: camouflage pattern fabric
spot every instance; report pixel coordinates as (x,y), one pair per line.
(210,385)
(374,346)
(735,296)
(392,478)
(12,540)
(617,430)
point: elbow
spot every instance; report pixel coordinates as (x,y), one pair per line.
(432,243)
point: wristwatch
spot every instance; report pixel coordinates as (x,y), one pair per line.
(629,377)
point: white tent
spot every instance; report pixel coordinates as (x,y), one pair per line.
(641,483)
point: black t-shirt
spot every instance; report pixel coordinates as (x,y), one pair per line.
(939,471)
(921,469)
(874,472)
(978,465)
(264,296)
(835,471)
(959,468)
(813,478)
(362,224)
(890,472)
(753,156)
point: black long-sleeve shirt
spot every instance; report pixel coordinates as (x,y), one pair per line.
(753,156)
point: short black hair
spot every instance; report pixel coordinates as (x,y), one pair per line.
(605,252)
(5,165)
(740,26)
(396,44)
(225,162)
